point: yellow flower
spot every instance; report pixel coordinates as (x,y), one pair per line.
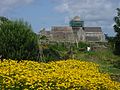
(69,74)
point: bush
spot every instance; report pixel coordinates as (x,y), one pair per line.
(117,30)
(18,41)
(117,64)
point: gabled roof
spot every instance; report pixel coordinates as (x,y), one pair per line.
(92,29)
(61,29)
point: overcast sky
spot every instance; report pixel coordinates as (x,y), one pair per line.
(47,13)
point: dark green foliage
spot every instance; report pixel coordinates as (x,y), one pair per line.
(43,37)
(18,41)
(62,50)
(117,30)
(82,46)
(117,64)
(3,19)
(58,46)
(111,42)
(51,54)
(117,37)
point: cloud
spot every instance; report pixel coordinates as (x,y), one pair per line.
(6,5)
(93,12)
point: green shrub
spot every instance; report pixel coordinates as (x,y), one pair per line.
(117,64)
(117,30)
(18,41)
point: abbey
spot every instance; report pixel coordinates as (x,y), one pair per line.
(75,32)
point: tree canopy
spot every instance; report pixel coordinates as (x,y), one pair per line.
(117,30)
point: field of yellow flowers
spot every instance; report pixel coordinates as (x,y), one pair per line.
(59,75)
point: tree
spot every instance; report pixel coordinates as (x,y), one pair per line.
(117,30)
(3,19)
(18,41)
(111,41)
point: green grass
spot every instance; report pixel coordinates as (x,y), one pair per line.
(105,58)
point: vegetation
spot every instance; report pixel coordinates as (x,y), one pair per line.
(117,37)
(96,69)
(117,30)
(59,75)
(63,50)
(111,42)
(17,40)
(107,61)
(3,20)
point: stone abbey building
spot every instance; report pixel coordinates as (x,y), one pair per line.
(75,32)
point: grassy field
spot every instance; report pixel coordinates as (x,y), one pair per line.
(105,58)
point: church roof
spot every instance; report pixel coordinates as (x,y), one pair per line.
(92,29)
(61,29)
